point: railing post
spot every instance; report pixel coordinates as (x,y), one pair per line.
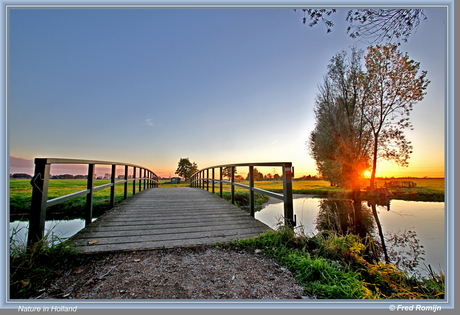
(112,189)
(134,180)
(37,218)
(212,181)
(288,204)
(232,179)
(207,179)
(251,192)
(139,180)
(89,197)
(125,193)
(221,184)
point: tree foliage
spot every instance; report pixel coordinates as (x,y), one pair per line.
(393,83)
(361,115)
(185,168)
(340,141)
(371,25)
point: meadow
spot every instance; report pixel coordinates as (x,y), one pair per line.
(21,195)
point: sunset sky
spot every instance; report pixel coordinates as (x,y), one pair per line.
(151,86)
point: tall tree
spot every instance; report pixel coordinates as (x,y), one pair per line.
(340,141)
(392,85)
(371,25)
(185,168)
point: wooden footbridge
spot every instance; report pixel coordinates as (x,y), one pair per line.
(154,217)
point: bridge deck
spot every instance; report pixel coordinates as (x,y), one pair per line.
(165,218)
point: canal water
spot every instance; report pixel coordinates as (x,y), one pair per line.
(426,219)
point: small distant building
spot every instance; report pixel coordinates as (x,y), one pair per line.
(175,180)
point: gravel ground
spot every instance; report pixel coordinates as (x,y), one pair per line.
(181,273)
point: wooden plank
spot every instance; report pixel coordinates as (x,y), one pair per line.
(166,218)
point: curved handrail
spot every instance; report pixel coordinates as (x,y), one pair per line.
(40,182)
(199,180)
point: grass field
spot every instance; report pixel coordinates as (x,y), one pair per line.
(21,195)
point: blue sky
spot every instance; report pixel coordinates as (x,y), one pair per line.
(151,86)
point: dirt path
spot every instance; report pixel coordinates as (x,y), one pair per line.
(182,273)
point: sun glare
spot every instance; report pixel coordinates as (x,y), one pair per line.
(367,173)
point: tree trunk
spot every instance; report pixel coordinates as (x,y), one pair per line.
(374,163)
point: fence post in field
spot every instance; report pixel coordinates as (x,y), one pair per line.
(37,219)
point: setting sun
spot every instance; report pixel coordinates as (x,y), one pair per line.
(367,173)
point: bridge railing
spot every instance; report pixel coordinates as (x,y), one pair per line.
(40,182)
(203,178)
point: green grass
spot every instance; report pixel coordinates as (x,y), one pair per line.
(341,267)
(21,195)
(32,269)
(242,199)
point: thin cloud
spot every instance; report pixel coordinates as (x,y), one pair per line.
(149,122)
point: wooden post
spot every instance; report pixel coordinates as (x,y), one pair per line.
(125,193)
(207,179)
(212,181)
(89,197)
(221,184)
(140,180)
(134,180)
(37,217)
(288,204)
(232,176)
(251,192)
(112,188)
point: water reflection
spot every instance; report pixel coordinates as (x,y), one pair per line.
(344,217)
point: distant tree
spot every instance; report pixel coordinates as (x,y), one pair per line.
(256,175)
(276,177)
(185,168)
(372,25)
(392,85)
(239,178)
(268,176)
(227,172)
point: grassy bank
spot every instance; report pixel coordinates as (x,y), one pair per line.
(31,270)
(342,267)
